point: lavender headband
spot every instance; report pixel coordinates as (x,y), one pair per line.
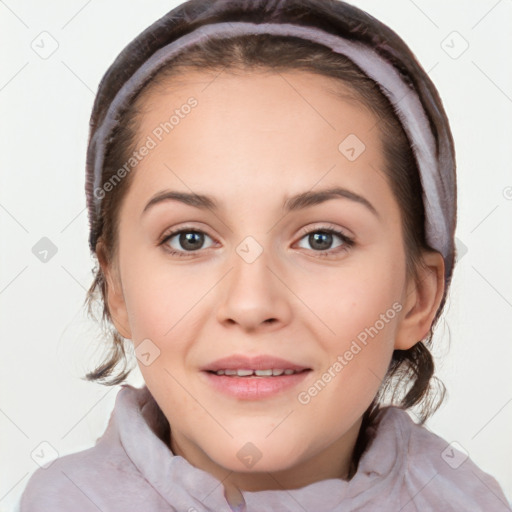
(436,173)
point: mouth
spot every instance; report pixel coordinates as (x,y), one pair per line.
(257,373)
(253,385)
(253,378)
(262,365)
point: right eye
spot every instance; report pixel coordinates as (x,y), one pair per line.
(185,240)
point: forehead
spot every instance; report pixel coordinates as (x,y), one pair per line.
(292,88)
(255,128)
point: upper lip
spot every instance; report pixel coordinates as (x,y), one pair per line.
(260,362)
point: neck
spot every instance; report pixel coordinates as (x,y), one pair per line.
(334,461)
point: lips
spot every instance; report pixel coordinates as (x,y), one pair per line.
(276,372)
(254,378)
(258,363)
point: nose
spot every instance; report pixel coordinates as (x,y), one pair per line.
(254,294)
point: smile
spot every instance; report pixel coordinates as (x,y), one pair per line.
(254,384)
(257,373)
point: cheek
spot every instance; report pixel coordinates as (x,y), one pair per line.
(357,354)
(352,299)
(160,296)
(357,313)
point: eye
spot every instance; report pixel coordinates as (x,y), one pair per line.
(189,240)
(186,240)
(321,240)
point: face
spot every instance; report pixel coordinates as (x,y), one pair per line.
(270,267)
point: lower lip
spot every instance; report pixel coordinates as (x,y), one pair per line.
(254,388)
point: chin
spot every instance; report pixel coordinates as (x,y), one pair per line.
(254,457)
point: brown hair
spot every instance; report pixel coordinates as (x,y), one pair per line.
(409,381)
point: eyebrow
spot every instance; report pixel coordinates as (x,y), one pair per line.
(294,203)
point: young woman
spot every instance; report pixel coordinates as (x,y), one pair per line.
(272,199)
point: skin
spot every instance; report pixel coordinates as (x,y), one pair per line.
(252,141)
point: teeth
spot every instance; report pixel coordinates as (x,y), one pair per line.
(259,373)
(263,373)
(244,373)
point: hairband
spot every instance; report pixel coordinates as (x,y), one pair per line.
(435,168)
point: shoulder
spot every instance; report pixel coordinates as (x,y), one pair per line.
(102,477)
(76,481)
(441,473)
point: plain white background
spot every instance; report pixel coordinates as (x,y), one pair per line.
(48,342)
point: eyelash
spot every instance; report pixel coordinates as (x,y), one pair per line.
(348,242)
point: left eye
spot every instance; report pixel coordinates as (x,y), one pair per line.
(322,239)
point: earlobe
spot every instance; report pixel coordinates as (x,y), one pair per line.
(421,301)
(114,297)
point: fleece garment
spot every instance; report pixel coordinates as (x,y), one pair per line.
(406,468)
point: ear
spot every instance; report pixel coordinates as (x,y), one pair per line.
(114,292)
(421,301)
